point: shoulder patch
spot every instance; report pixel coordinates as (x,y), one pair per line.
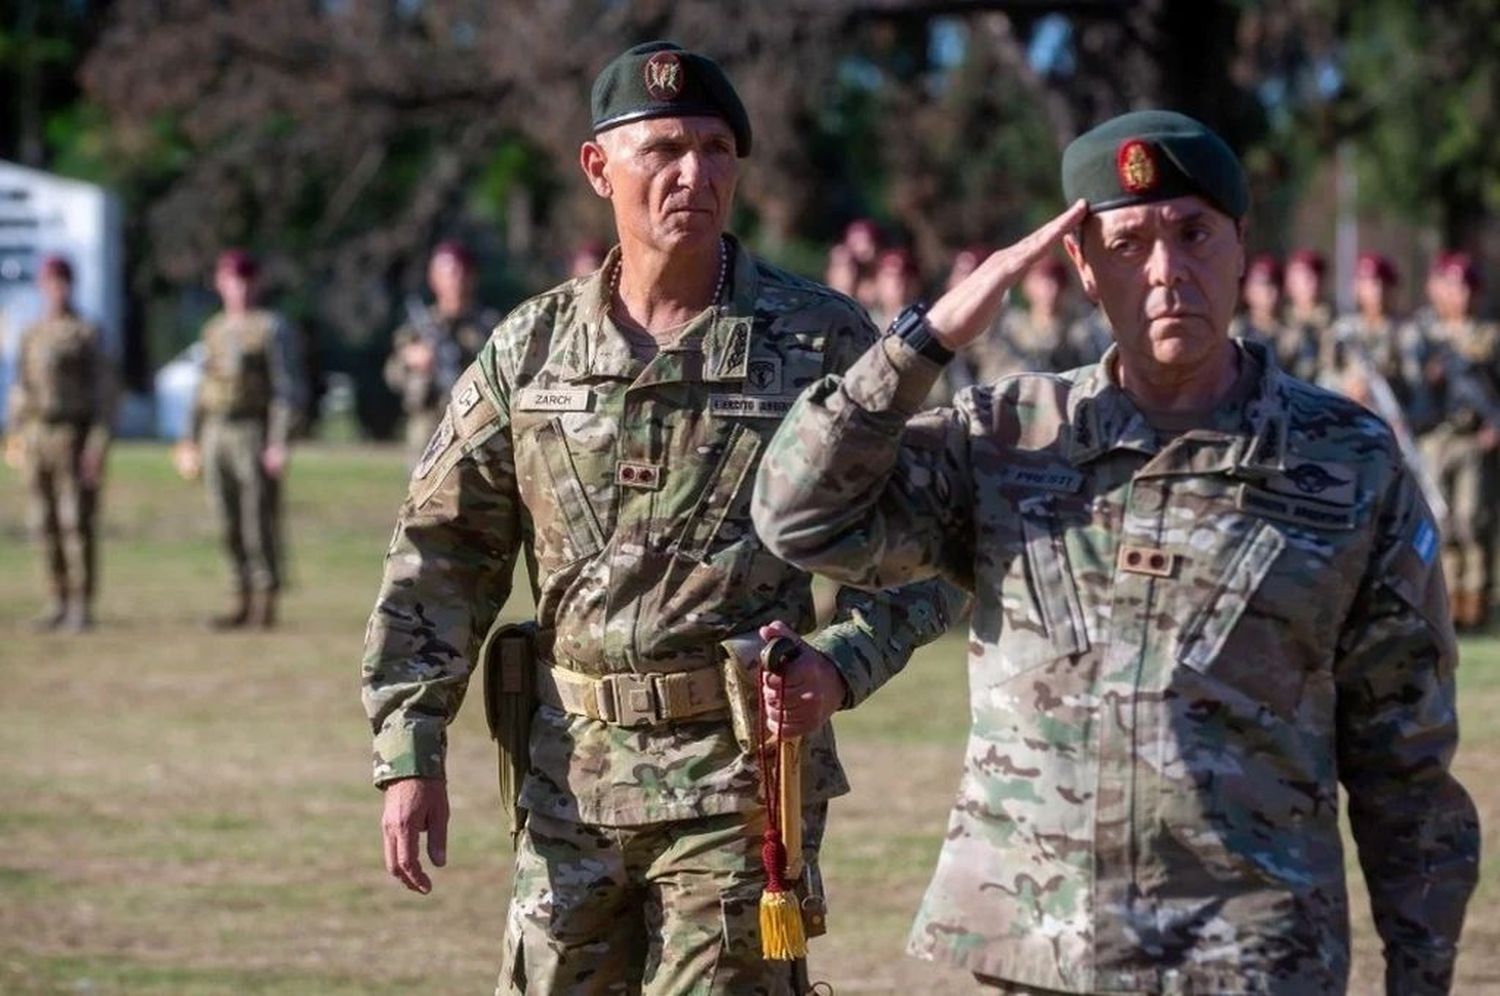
(1331,483)
(441,440)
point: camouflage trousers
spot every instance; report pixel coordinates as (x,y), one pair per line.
(61,509)
(1468,479)
(246,501)
(666,909)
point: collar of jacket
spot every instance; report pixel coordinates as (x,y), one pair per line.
(1103,419)
(595,348)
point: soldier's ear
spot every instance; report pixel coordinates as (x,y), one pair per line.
(1085,273)
(592,158)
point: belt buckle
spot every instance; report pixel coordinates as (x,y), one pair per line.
(630,700)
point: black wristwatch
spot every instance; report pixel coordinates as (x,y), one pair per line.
(911,327)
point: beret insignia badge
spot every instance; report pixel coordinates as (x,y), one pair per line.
(664,76)
(1136,167)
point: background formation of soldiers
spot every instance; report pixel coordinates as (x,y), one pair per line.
(1434,374)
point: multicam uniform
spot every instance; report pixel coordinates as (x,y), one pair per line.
(1452,417)
(455,342)
(628,482)
(61,406)
(248,398)
(1181,646)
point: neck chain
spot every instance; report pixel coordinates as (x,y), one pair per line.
(614,282)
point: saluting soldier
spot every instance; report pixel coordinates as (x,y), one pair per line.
(611,428)
(59,422)
(1207,593)
(1457,357)
(437,343)
(249,397)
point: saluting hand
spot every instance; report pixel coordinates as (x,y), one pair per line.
(810,687)
(963,313)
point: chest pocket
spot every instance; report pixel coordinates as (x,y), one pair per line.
(572,530)
(1267,621)
(725,498)
(1043,616)
(1207,631)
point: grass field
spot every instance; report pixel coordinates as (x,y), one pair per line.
(187,813)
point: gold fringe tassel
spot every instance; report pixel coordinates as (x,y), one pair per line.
(781,934)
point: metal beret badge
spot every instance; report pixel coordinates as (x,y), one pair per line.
(1136,167)
(664,76)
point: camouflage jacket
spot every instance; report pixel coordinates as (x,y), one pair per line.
(628,484)
(456,342)
(63,375)
(1178,652)
(251,370)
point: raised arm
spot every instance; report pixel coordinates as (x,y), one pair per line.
(856,488)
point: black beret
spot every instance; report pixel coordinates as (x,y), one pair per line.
(661,80)
(1147,156)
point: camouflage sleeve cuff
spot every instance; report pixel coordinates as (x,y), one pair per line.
(844,644)
(279,424)
(410,749)
(891,377)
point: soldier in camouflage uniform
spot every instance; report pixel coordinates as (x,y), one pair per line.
(437,344)
(249,397)
(60,411)
(1371,331)
(1259,319)
(610,429)
(1207,593)
(1455,358)
(1305,326)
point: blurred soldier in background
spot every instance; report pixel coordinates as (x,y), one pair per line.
(1259,319)
(864,241)
(842,271)
(437,343)
(1456,357)
(1366,336)
(60,412)
(248,399)
(1308,317)
(610,429)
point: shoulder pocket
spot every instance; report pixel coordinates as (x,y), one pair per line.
(727,483)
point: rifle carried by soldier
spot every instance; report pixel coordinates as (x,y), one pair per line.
(447,354)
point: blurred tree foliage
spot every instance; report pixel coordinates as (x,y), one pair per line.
(341,138)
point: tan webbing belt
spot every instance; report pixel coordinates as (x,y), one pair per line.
(634,699)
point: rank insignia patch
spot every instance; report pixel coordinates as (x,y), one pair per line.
(1136,166)
(664,76)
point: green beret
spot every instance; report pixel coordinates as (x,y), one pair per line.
(662,80)
(1147,156)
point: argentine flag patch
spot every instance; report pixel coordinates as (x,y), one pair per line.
(1425,542)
